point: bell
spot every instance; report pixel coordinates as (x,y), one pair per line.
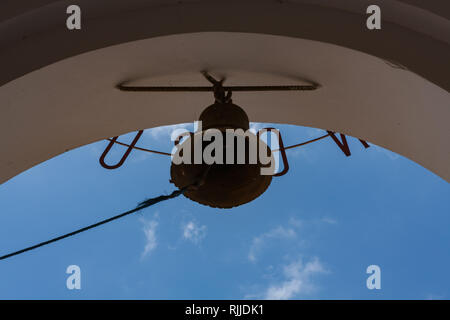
(223,185)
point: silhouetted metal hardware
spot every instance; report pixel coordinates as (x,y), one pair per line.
(217,185)
(124,157)
(223,185)
(344,145)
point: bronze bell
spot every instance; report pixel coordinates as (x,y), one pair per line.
(222,185)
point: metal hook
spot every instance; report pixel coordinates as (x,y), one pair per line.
(124,157)
(281,149)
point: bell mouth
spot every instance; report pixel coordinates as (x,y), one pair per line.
(224,185)
(227,188)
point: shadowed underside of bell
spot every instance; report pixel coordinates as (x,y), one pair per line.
(224,185)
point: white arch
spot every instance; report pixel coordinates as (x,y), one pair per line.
(49,105)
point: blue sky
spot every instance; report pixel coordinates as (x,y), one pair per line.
(311,235)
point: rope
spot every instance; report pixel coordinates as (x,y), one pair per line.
(142,205)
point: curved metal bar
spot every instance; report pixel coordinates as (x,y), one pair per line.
(282,150)
(181,135)
(310,87)
(124,157)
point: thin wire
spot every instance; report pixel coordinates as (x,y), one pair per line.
(141,206)
(169,154)
(142,149)
(304,143)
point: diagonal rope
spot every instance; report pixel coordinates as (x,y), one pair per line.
(142,205)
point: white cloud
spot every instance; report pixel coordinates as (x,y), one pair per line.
(295,222)
(328,220)
(260,241)
(256,126)
(293,278)
(166,131)
(297,280)
(149,229)
(193,232)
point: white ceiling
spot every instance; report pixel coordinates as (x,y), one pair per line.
(74,102)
